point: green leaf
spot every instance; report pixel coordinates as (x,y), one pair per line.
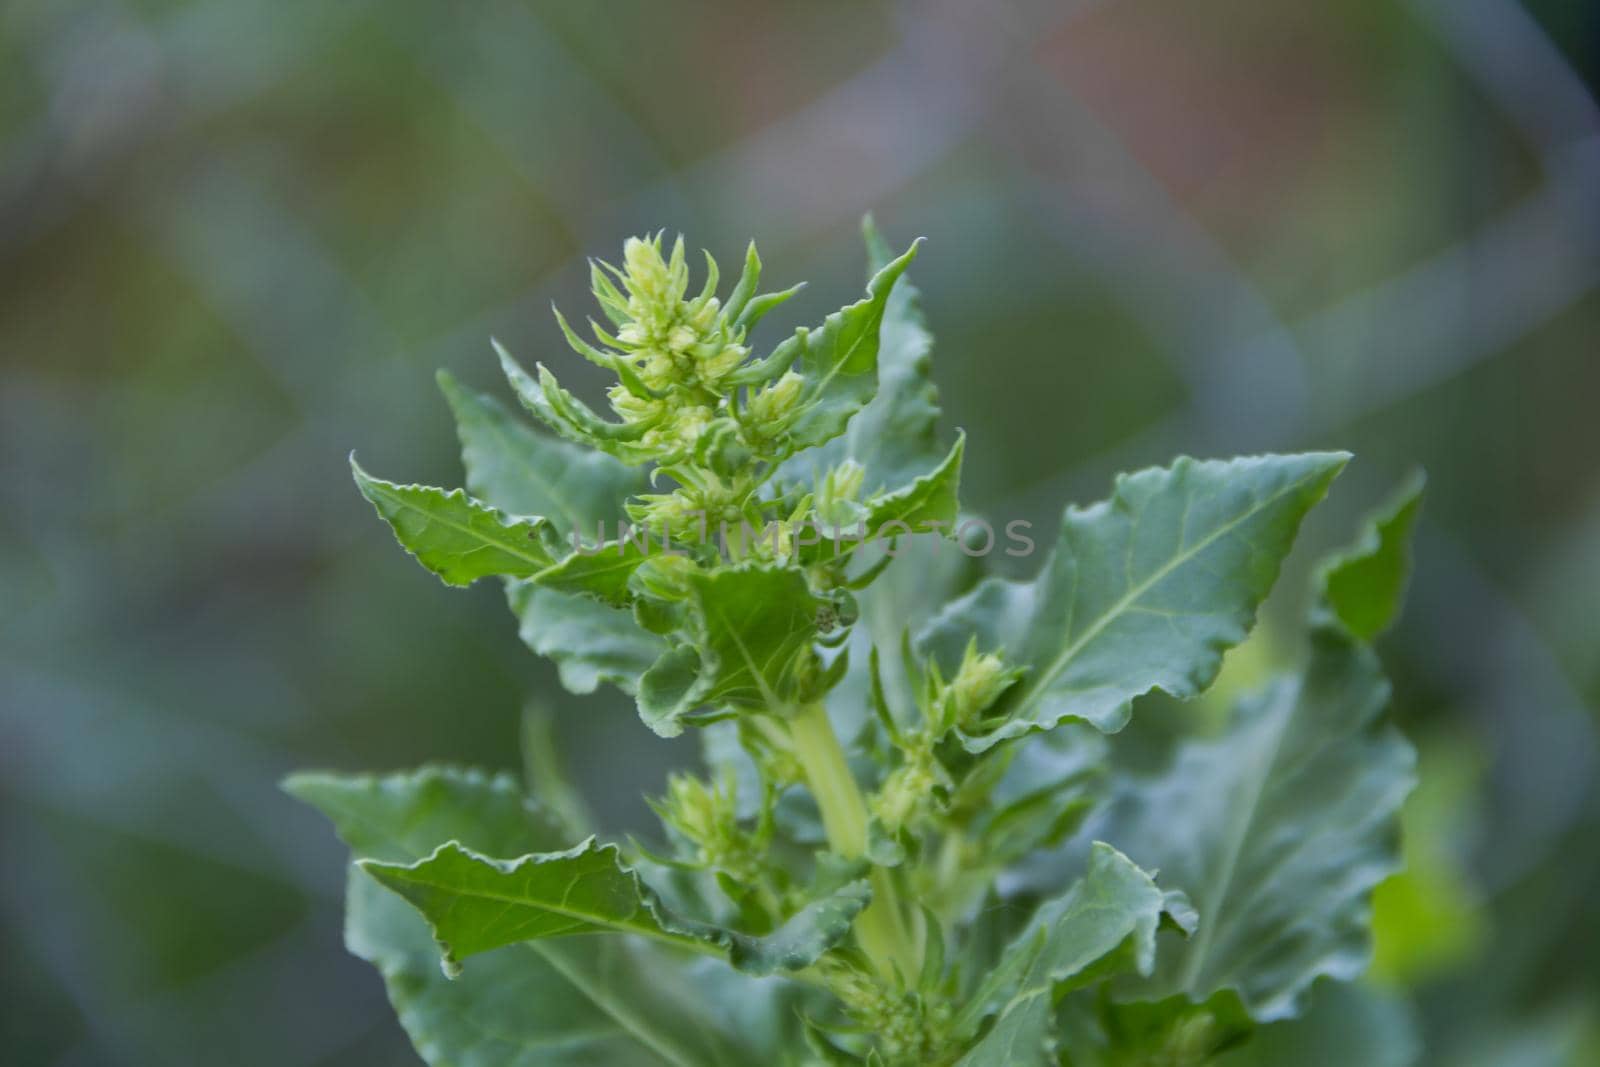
(839,361)
(512,467)
(1279,830)
(802,940)
(1145,590)
(600,571)
(400,817)
(745,308)
(670,690)
(554,1004)
(751,633)
(895,436)
(1346,1023)
(517,469)
(1105,922)
(1365,585)
(1045,790)
(551,1004)
(590,641)
(928,499)
(476,903)
(453,535)
(1174,1032)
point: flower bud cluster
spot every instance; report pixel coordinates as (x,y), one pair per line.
(672,353)
(916,788)
(979,682)
(910,1029)
(907,794)
(706,816)
(697,510)
(773,407)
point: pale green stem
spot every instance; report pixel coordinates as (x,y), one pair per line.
(881,927)
(949,864)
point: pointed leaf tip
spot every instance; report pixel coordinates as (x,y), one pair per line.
(1180,558)
(457,537)
(1364,586)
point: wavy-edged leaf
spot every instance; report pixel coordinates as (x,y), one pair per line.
(550,1004)
(1105,923)
(553,1004)
(1145,590)
(456,537)
(476,903)
(751,625)
(515,468)
(803,938)
(589,641)
(839,361)
(523,472)
(1281,827)
(401,817)
(600,571)
(1279,830)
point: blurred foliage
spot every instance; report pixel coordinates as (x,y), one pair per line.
(1428,920)
(236,240)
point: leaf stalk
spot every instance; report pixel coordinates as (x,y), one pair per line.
(881,927)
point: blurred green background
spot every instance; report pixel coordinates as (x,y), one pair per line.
(236,239)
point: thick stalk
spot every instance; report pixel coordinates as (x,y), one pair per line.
(881,927)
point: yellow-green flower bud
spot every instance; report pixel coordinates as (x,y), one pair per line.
(657,369)
(654,285)
(665,576)
(906,794)
(687,425)
(717,358)
(704,315)
(771,408)
(692,512)
(707,817)
(635,408)
(839,494)
(907,1027)
(980,681)
(677,515)
(673,355)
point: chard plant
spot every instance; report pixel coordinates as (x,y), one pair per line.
(913,841)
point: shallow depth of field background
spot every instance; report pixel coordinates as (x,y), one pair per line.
(236,240)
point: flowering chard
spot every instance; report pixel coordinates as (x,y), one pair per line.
(915,843)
